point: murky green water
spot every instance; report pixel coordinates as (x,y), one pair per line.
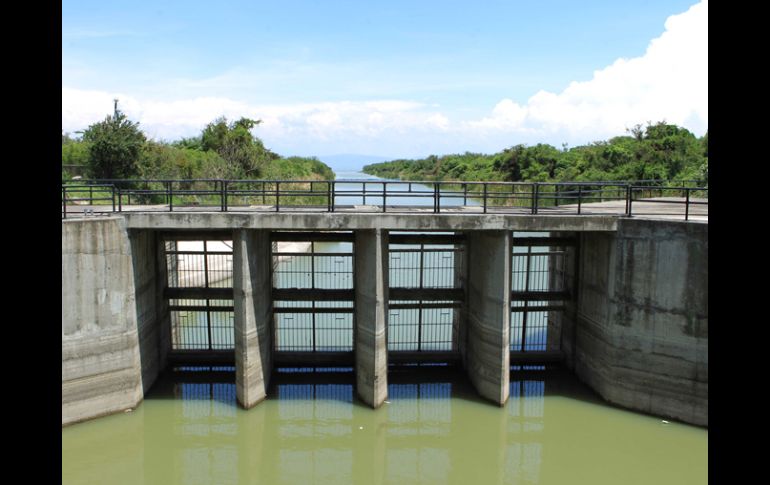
(432,430)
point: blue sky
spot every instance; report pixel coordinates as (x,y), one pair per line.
(395,78)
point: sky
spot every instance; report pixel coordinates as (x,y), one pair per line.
(389,79)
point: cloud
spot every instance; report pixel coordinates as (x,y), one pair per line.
(669,82)
(319,121)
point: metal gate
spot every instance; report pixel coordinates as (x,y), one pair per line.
(199,293)
(539,287)
(425,291)
(313,292)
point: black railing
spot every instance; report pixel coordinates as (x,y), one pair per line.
(605,197)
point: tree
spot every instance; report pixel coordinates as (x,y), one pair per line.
(244,153)
(73,152)
(114,147)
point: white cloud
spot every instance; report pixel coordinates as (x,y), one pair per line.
(669,82)
(313,121)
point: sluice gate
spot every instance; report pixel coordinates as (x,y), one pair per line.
(622,302)
(312,297)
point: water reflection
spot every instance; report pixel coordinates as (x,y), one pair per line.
(433,429)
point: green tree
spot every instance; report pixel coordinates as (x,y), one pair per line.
(114,147)
(73,152)
(244,153)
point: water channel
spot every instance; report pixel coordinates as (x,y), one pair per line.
(433,429)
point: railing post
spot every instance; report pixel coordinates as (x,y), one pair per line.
(465,194)
(224,195)
(580,197)
(277,195)
(364,186)
(687,204)
(437,196)
(629,201)
(113,197)
(384,191)
(334,190)
(64,201)
(170,197)
(485,197)
(628,197)
(535,190)
(557,196)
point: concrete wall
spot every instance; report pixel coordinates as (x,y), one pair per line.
(640,334)
(371,316)
(101,367)
(486,355)
(253,315)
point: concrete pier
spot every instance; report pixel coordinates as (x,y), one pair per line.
(253,314)
(101,365)
(487,345)
(371,314)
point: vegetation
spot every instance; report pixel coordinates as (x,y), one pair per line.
(116,148)
(113,147)
(656,152)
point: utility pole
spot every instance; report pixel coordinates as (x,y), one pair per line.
(115,114)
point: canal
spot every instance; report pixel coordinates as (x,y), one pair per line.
(433,429)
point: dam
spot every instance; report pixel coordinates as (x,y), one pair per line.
(615,289)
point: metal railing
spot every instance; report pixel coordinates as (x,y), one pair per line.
(605,197)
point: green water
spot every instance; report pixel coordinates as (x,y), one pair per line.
(432,430)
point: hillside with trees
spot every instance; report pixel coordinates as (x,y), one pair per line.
(658,151)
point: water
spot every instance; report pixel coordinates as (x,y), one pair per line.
(433,430)
(423,194)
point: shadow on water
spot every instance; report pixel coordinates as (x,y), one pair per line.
(405,382)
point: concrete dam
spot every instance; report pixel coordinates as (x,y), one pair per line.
(620,300)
